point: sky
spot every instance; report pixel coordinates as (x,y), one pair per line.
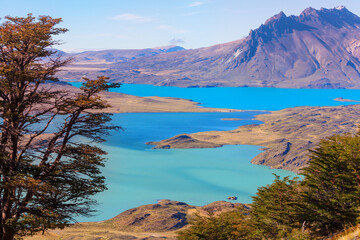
(138,24)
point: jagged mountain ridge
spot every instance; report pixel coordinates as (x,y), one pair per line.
(317,49)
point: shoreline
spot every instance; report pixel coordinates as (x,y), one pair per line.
(285,135)
(124,103)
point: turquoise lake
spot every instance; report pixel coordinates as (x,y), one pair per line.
(137,174)
(246,98)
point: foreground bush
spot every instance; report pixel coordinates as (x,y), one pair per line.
(275,209)
(225,226)
(332,179)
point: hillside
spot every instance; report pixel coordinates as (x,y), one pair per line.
(317,49)
(153,221)
(287,135)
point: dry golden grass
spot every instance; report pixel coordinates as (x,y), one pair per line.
(123,103)
(153,221)
(98,231)
(157,73)
(349,234)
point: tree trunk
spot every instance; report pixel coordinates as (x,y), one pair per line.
(6,234)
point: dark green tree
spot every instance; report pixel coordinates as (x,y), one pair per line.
(332,182)
(47,175)
(225,226)
(275,209)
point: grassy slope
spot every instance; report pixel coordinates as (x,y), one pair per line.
(348,234)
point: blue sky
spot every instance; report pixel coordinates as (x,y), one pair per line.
(133,24)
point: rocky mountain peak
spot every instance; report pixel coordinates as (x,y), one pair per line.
(278,17)
(337,17)
(309,12)
(309,19)
(276,26)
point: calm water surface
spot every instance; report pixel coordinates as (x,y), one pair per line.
(247,98)
(137,174)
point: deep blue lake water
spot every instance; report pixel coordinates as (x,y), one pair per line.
(246,98)
(137,174)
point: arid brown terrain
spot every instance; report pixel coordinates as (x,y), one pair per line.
(287,135)
(124,103)
(153,221)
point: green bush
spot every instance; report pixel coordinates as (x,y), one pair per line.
(332,180)
(275,208)
(226,226)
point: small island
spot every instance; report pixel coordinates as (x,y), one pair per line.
(340,99)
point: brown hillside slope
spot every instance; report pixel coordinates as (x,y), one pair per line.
(153,221)
(287,134)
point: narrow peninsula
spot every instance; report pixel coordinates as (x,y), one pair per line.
(286,135)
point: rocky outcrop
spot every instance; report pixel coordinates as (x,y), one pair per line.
(286,155)
(232,198)
(164,216)
(183,141)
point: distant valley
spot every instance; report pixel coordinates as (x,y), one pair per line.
(317,49)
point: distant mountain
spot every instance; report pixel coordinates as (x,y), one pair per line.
(120,55)
(317,49)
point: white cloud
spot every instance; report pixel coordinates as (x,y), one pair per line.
(195,4)
(171,29)
(176,41)
(131,17)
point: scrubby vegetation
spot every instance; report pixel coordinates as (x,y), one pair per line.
(319,204)
(227,225)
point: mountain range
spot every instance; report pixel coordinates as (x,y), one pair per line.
(117,55)
(317,49)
